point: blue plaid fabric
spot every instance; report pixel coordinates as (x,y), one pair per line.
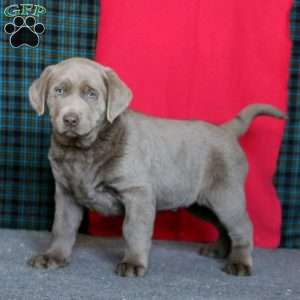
(287,179)
(26,183)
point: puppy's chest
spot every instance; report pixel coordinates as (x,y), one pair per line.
(78,173)
(80,178)
(86,181)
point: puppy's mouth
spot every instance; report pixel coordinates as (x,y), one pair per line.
(73,133)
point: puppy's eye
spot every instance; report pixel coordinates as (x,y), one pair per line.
(91,93)
(59,91)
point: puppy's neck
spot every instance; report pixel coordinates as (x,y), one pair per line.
(105,143)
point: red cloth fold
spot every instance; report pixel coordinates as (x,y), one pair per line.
(204,60)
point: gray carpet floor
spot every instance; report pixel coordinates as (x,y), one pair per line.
(176,272)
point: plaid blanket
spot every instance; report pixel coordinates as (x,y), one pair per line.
(32,37)
(287,179)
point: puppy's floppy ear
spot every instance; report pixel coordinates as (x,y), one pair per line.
(38,91)
(118,95)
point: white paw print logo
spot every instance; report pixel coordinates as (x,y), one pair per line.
(24,32)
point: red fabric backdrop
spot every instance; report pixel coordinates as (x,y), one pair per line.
(206,60)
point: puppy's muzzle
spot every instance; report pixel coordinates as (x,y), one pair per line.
(71,120)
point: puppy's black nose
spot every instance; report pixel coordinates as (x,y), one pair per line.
(71,119)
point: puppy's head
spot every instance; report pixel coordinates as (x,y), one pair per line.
(81,95)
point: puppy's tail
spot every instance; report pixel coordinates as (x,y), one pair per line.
(240,124)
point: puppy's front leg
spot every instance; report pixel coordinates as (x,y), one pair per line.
(137,232)
(68,216)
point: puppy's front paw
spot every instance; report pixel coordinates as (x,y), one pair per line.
(47,261)
(237,269)
(129,270)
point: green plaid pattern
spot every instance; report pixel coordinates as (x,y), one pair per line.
(26,183)
(287,179)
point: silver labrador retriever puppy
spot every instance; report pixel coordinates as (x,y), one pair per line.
(110,159)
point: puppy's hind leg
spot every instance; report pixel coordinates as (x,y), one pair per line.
(229,205)
(221,247)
